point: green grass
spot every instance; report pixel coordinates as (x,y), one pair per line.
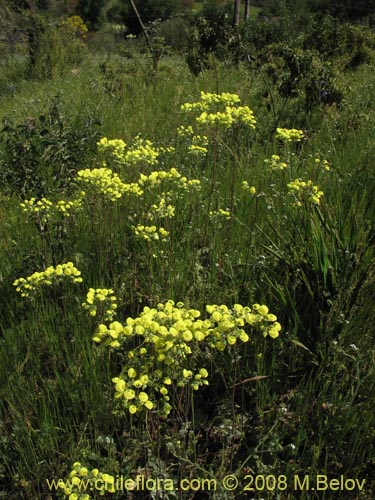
(313,266)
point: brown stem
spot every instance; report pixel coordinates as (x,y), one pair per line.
(147,36)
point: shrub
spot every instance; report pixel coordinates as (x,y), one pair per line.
(38,156)
(348,44)
(59,47)
(300,74)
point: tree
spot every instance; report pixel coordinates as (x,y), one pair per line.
(149,10)
(344,9)
(237,8)
(91,12)
(247,10)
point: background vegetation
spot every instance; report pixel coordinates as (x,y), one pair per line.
(300,404)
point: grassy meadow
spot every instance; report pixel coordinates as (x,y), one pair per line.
(265,228)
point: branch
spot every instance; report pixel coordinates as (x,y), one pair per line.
(148,39)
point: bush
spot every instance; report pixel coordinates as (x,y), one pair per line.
(175,32)
(211,35)
(39,155)
(347,44)
(58,48)
(298,73)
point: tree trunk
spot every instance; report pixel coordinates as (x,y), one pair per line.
(247,10)
(145,32)
(237,7)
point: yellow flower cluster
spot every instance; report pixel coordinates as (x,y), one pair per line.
(197,150)
(323,164)
(250,189)
(183,131)
(223,98)
(219,213)
(161,210)
(110,334)
(227,118)
(198,146)
(158,176)
(198,143)
(34,206)
(134,399)
(105,298)
(80,477)
(275,163)
(150,232)
(106,182)
(300,189)
(27,286)
(228,324)
(289,134)
(207,99)
(232,113)
(45,208)
(171,342)
(115,147)
(141,151)
(66,207)
(76,25)
(166,150)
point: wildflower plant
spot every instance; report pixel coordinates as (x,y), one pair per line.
(247,188)
(324,165)
(164,347)
(288,135)
(102,299)
(112,149)
(197,145)
(157,177)
(28,286)
(164,187)
(150,232)
(45,209)
(304,191)
(222,110)
(103,181)
(76,26)
(275,163)
(162,208)
(140,152)
(221,213)
(82,478)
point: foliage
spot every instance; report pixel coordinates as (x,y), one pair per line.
(301,75)
(59,48)
(347,10)
(350,45)
(149,10)
(210,36)
(175,33)
(39,155)
(91,11)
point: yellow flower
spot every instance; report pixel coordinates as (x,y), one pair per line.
(289,135)
(83,471)
(120,384)
(143,397)
(129,394)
